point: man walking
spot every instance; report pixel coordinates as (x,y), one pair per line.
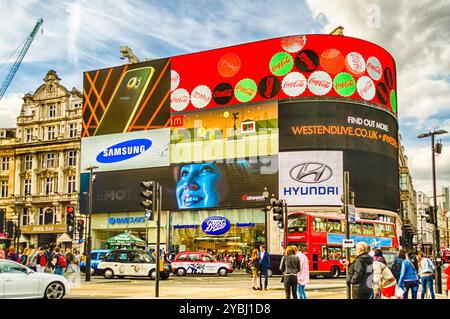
(58,262)
(264,265)
(362,271)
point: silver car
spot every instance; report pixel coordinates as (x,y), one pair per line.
(18,281)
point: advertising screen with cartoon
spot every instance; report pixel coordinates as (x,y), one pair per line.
(189,186)
(126,98)
(287,67)
(245,130)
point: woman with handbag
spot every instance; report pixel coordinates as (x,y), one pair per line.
(253,264)
(426,272)
(409,280)
(383,281)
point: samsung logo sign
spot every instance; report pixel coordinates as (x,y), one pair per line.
(124,151)
(216,225)
(126,220)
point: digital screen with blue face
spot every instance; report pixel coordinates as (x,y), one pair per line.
(199,186)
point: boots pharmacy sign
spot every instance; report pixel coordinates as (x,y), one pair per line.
(311,178)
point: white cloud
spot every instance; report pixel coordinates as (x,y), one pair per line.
(416,33)
(73,24)
(10,106)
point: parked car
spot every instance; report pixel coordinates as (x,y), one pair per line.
(275,261)
(131,263)
(96,257)
(199,262)
(18,281)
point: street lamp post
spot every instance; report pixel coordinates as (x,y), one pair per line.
(88,237)
(437,248)
(266,230)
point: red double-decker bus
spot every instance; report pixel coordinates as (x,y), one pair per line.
(320,238)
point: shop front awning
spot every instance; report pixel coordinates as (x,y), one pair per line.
(64,238)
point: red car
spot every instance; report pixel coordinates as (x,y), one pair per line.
(199,262)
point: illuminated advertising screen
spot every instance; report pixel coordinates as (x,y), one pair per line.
(189,186)
(126,98)
(337,125)
(245,130)
(288,67)
(139,149)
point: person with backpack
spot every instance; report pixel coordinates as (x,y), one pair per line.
(41,260)
(361,272)
(58,262)
(426,272)
(409,280)
(70,259)
(32,259)
(396,268)
(383,281)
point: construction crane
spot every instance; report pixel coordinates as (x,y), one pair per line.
(19,59)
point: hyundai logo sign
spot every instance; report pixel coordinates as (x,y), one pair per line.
(124,150)
(311,172)
(216,225)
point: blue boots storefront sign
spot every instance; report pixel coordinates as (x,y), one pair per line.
(216,225)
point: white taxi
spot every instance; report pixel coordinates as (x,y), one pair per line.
(131,263)
(199,262)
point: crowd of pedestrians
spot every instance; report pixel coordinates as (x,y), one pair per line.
(51,258)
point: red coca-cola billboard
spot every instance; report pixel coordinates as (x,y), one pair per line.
(287,67)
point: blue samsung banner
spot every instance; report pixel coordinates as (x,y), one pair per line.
(373,242)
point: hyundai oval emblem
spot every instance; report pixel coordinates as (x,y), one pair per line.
(216,225)
(124,150)
(311,172)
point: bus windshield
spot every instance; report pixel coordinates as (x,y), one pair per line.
(297,223)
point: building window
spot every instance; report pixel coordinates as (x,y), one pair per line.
(72,130)
(51,133)
(46,217)
(28,134)
(48,185)
(5,163)
(403,182)
(50,160)
(4,189)
(25,217)
(28,162)
(71,184)
(27,187)
(72,158)
(52,110)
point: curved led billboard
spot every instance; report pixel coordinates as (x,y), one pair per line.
(288,67)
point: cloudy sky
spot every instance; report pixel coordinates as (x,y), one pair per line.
(85,35)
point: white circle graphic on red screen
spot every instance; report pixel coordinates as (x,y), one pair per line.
(201,96)
(319,83)
(174,80)
(293,44)
(179,100)
(294,84)
(366,88)
(355,63)
(374,68)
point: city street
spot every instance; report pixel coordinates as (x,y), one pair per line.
(234,286)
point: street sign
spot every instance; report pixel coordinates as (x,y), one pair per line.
(351,213)
(348,243)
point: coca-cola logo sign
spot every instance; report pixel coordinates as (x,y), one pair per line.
(281,64)
(344,84)
(216,225)
(374,68)
(293,44)
(306,61)
(179,99)
(294,84)
(223,93)
(355,64)
(319,83)
(201,96)
(245,90)
(382,93)
(389,78)
(174,80)
(229,65)
(332,61)
(269,86)
(366,88)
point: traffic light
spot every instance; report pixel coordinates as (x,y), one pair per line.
(80,228)
(429,212)
(10,228)
(277,207)
(70,220)
(149,203)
